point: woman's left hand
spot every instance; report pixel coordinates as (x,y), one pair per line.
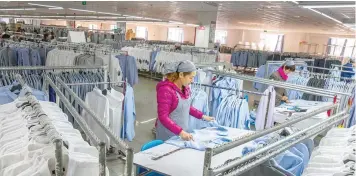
(208,118)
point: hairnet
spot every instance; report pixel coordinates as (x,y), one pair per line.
(289,63)
(183,66)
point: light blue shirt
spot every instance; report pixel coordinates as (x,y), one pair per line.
(128,69)
(129,113)
(200,102)
(289,162)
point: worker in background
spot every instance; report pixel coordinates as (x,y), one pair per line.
(282,75)
(173,101)
(45,37)
(348,70)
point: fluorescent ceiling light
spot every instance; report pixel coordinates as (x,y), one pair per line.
(295,2)
(133,17)
(82,10)
(108,13)
(152,19)
(56,8)
(20,9)
(176,22)
(42,5)
(329,6)
(192,24)
(327,16)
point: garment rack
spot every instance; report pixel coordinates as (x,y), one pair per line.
(128,152)
(57,139)
(84,126)
(238,166)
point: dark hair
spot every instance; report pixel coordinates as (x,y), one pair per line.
(289,67)
(45,36)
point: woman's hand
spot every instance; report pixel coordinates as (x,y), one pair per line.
(285,98)
(185,136)
(208,118)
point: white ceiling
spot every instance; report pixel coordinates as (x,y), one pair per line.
(265,15)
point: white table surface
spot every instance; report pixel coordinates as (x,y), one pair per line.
(186,162)
(282,118)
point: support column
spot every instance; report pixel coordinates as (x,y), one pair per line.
(121,30)
(205,35)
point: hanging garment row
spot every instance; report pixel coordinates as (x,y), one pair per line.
(334,155)
(151,58)
(249,58)
(37,155)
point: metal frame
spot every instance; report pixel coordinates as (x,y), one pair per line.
(58,143)
(121,144)
(83,125)
(258,157)
(210,152)
(305,89)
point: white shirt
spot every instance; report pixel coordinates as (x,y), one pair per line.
(100,105)
(115,99)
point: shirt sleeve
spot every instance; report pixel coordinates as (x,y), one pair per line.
(195,113)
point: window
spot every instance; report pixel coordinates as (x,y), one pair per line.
(175,35)
(342,47)
(93,26)
(220,36)
(141,32)
(113,26)
(271,42)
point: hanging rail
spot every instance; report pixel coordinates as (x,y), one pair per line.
(244,91)
(83,125)
(124,147)
(305,89)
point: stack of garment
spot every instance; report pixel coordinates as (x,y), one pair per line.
(204,138)
(335,154)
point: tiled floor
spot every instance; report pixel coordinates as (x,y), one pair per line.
(146,113)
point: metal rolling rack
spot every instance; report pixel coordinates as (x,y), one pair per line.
(58,143)
(210,152)
(127,151)
(238,166)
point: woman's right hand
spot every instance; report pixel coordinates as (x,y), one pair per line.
(185,136)
(284,98)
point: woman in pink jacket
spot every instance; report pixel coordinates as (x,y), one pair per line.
(173,101)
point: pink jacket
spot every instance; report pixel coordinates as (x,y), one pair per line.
(167,101)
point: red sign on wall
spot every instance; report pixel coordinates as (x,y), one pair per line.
(201,27)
